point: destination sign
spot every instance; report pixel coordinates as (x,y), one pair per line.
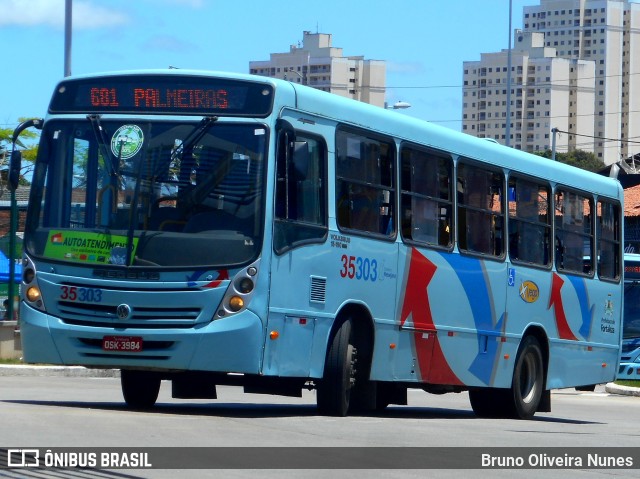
(163,94)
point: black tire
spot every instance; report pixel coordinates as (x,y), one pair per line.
(589,388)
(334,390)
(384,394)
(528,380)
(521,401)
(139,388)
(489,402)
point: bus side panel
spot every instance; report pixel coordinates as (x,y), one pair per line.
(450,316)
(587,316)
(313,283)
(571,311)
(472,343)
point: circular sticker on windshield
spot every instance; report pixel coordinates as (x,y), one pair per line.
(127,141)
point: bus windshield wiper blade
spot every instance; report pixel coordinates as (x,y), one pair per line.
(98,132)
(194,136)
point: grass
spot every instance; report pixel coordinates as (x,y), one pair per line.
(11,361)
(624,382)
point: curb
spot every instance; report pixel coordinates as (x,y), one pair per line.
(61,371)
(613,388)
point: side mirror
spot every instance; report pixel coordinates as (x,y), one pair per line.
(15,163)
(34,122)
(14,169)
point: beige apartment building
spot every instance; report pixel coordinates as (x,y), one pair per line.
(603,33)
(546,92)
(320,65)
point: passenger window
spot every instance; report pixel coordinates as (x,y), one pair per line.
(365,195)
(608,240)
(574,232)
(529,222)
(426,197)
(300,190)
(480,210)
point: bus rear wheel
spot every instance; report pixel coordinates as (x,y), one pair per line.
(139,388)
(521,401)
(334,390)
(528,379)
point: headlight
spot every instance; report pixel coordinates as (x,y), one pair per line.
(245,285)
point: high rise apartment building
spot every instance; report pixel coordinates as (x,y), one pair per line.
(546,92)
(602,33)
(318,64)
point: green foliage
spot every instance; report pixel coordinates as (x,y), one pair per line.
(29,134)
(27,143)
(578,158)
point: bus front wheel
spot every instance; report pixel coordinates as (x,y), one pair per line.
(139,388)
(334,390)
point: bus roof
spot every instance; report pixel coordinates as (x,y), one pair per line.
(359,114)
(412,129)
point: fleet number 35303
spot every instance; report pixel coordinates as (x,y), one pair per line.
(86,295)
(356,267)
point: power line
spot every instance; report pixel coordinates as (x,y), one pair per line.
(602,138)
(534,84)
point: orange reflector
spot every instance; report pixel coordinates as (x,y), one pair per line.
(589,348)
(274,334)
(604,365)
(503,339)
(506,356)
(392,346)
(303,321)
(450,333)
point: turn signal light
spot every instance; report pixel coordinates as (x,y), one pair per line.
(236,303)
(33,294)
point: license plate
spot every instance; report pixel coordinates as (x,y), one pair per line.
(131,344)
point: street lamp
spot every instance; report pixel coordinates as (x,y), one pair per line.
(290,69)
(399,105)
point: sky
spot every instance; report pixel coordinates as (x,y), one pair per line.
(424,42)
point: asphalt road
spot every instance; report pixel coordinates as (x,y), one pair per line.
(88,412)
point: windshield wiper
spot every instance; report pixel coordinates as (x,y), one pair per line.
(98,132)
(194,136)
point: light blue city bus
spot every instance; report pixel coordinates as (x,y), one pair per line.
(214,229)
(630,355)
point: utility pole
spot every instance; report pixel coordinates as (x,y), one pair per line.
(508,131)
(554,132)
(68,8)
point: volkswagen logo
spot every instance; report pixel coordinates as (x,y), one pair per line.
(123,311)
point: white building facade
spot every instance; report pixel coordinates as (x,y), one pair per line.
(605,33)
(318,64)
(546,92)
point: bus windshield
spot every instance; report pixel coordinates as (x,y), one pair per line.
(631,326)
(127,192)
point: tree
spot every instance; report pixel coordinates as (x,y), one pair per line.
(578,158)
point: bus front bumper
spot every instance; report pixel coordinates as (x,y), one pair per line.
(232,344)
